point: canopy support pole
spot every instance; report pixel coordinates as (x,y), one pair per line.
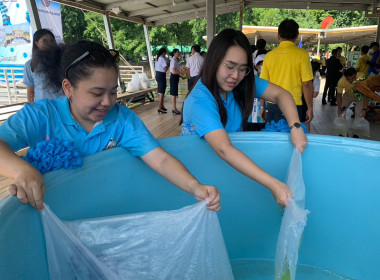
(210,18)
(241,15)
(150,56)
(378,30)
(319,45)
(33,15)
(111,44)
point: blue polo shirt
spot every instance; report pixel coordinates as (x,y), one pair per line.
(38,80)
(46,119)
(201,113)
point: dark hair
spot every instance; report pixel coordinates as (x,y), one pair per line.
(196,48)
(334,52)
(349,72)
(243,92)
(202,53)
(253,48)
(175,51)
(35,50)
(315,66)
(288,29)
(339,48)
(261,43)
(364,49)
(160,52)
(373,44)
(84,68)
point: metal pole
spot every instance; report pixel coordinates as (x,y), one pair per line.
(241,15)
(255,40)
(33,15)
(378,30)
(107,25)
(319,44)
(150,56)
(210,17)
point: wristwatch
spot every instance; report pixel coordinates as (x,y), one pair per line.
(295,125)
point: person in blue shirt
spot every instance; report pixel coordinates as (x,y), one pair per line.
(89,117)
(222,100)
(41,74)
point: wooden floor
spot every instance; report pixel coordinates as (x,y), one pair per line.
(167,125)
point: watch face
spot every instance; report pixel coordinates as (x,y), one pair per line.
(297,125)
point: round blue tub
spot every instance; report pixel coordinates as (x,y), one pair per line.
(342,192)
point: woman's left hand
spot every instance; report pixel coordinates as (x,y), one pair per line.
(211,193)
(299,139)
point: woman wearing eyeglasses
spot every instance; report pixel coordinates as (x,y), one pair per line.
(221,102)
(41,74)
(90,118)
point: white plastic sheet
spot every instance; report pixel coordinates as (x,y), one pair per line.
(341,126)
(293,223)
(360,126)
(180,244)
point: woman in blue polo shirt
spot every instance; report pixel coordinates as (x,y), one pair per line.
(90,118)
(221,102)
(41,74)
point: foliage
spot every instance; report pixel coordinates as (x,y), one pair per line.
(130,41)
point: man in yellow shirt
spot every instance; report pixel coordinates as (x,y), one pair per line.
(344,100)
(289,67)
(362,66)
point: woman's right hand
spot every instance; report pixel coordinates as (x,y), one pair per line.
(29,187)
(281,193)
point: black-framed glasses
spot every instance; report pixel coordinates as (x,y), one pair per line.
(97,56)
(241,70)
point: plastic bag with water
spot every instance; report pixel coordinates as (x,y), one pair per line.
(341,126)
(179,244)
(360,126)
(293,222)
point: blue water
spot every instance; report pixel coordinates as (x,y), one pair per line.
(260,269)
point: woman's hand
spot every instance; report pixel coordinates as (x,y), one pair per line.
(281,193)
(210,193)
(299,139)
(29,187)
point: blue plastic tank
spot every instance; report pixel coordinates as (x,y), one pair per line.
(342,192)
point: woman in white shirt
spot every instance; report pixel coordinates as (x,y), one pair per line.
(161,68)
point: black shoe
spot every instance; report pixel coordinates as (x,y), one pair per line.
(162,111)
(324,102)
(355,136)
(333,104)
(176,112)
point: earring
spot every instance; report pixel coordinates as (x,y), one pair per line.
(70,100)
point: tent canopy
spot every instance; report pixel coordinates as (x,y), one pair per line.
(160,12)
(357,36)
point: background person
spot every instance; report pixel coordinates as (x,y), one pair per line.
(222,101)
(89,117)
(288,66)
(161,67)
(175,72)
(362,66)
(194,65)
(41,74)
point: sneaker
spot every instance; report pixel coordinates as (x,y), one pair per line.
(324,102)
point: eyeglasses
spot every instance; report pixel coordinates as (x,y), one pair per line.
(241,70)
(97,56)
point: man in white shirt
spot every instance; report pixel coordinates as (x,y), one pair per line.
(194,65)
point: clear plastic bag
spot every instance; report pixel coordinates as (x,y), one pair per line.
(341,126)
(360,126)
(180,244)
(293,223)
